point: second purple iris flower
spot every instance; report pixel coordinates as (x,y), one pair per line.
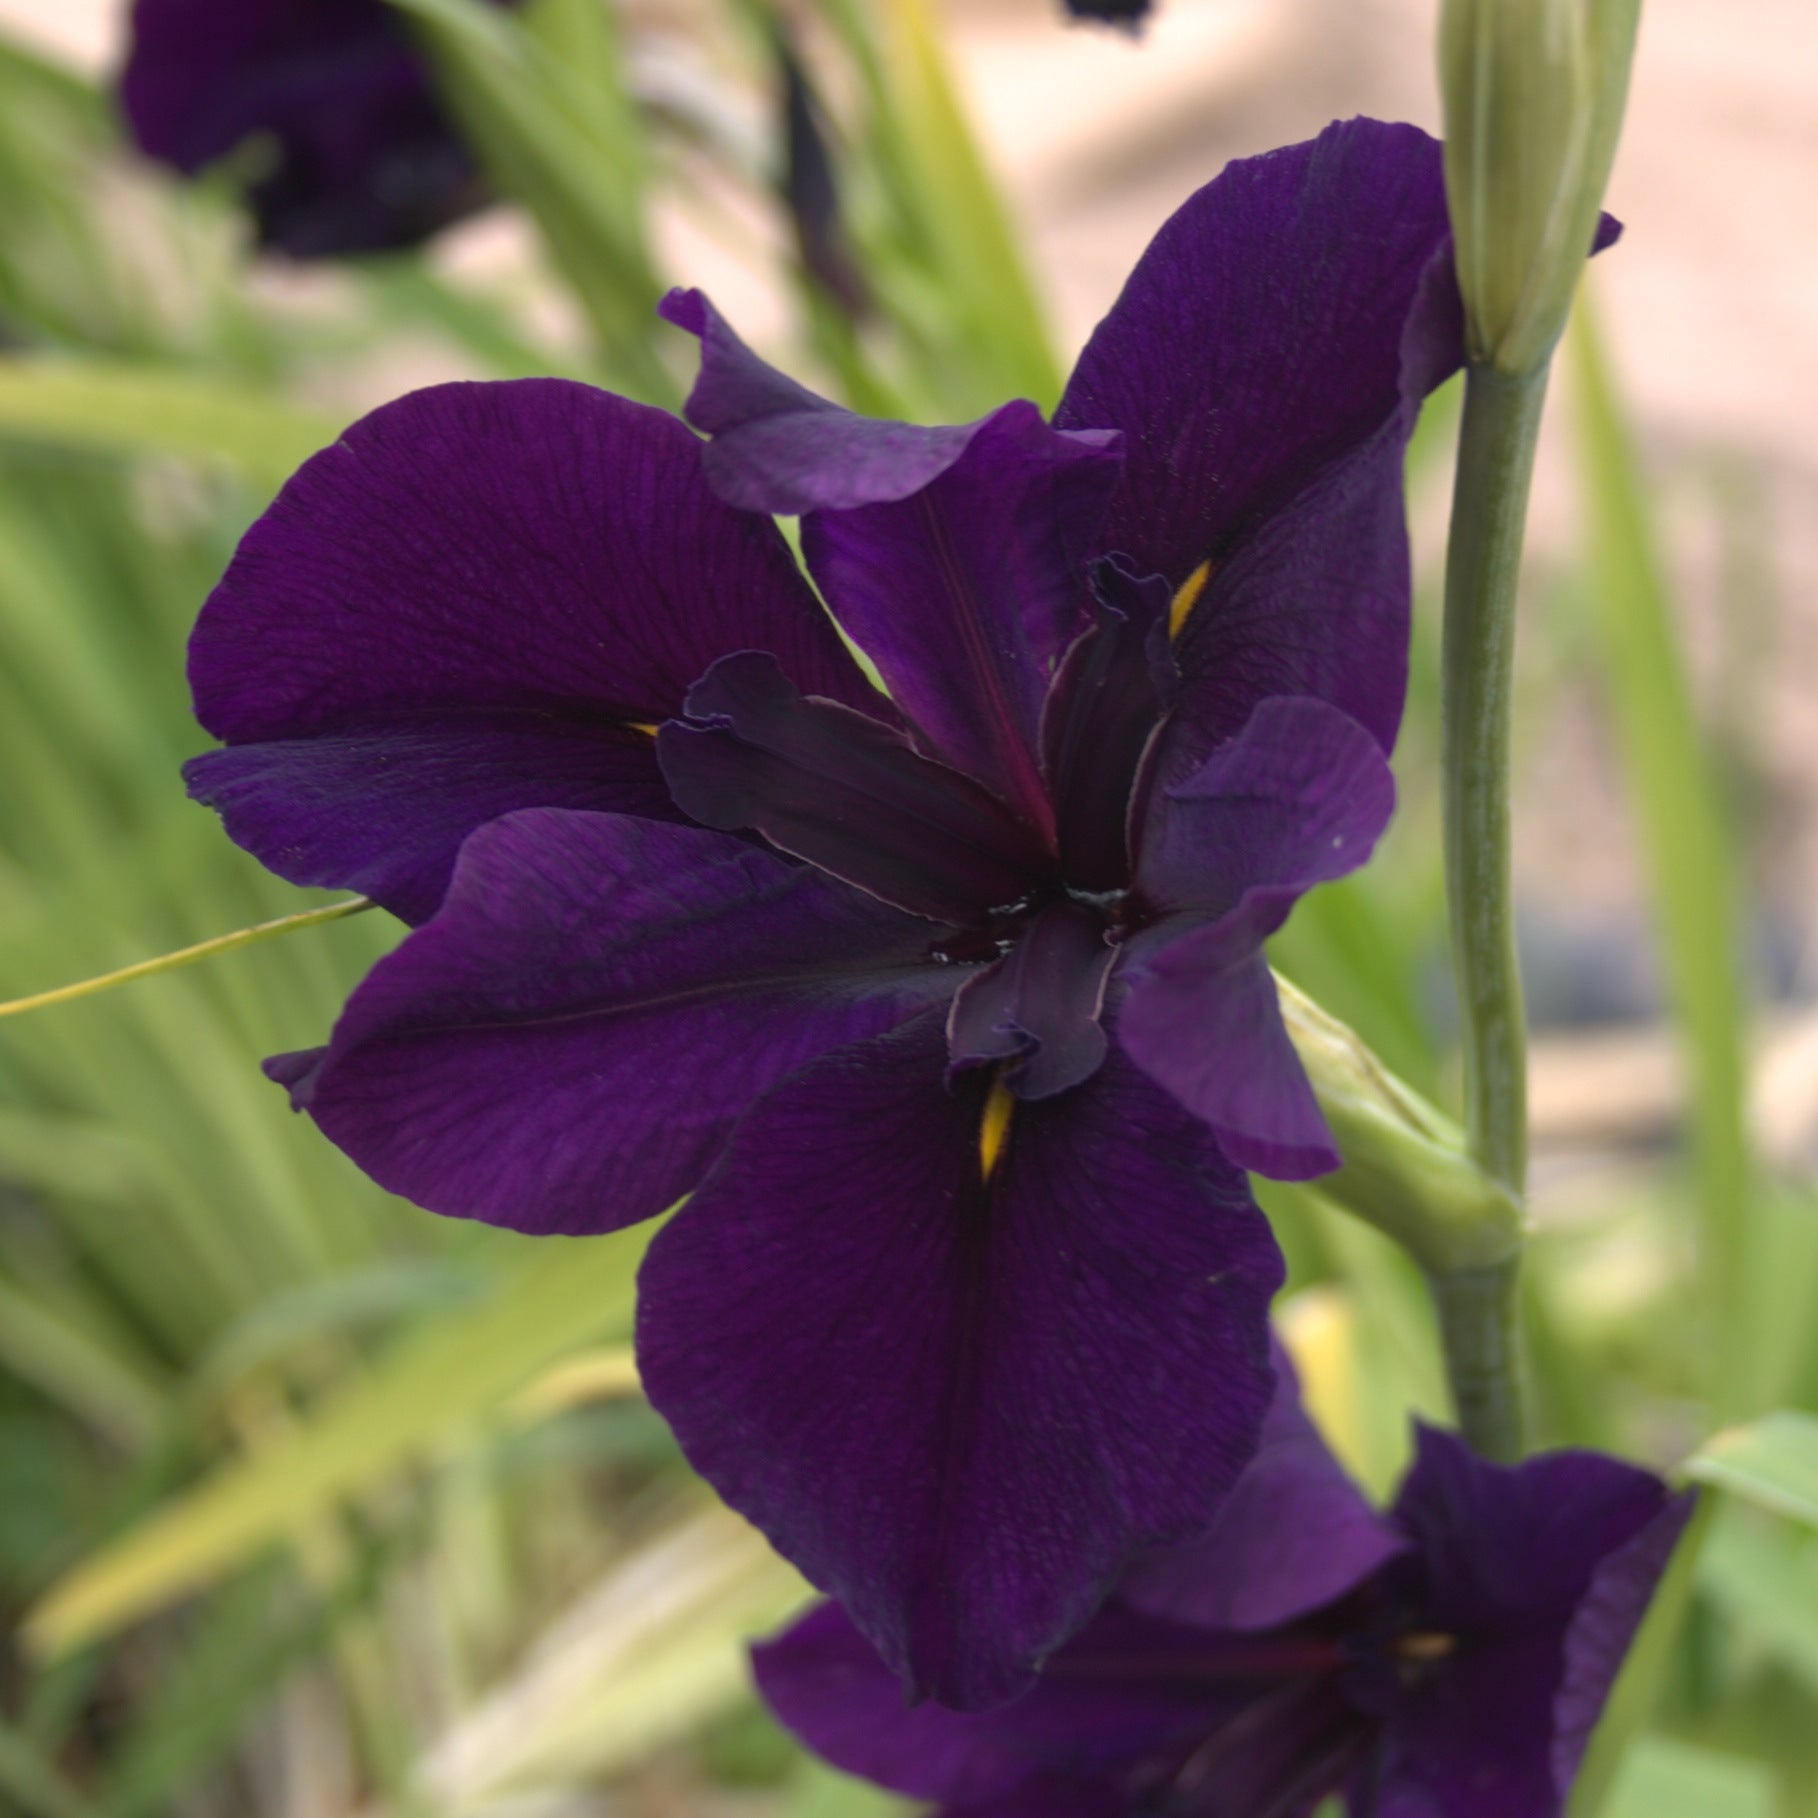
(946,1002)
(358,154)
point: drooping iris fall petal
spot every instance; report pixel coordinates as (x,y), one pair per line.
(913,1360)
(565,1046)
(421,631)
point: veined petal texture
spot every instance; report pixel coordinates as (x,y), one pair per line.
(566,1045)
(449,598)
(1263,362)
(957,1375)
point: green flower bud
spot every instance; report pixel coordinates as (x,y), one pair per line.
(1533,93)
(1405,1169)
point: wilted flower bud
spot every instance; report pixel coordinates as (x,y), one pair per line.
(1533,93)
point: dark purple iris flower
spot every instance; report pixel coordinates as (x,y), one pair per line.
(1447,1660)
(1114,12)
(947,1005)
(363,158)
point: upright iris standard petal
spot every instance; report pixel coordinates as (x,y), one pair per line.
(361,156)
(441,614)
(1263,362)
(966,594)
(956,1373)
(1203,1018)
(1298,798)
(779,447)
(955,558)
(1467,1642)
(845,792)
(565,1047)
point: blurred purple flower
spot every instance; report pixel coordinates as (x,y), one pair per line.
(1447,1660)
(1113,12)
(947,1005)
(810,184)
(361,156)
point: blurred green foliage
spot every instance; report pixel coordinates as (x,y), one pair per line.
(316,1503)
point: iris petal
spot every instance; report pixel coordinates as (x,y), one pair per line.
(846,793)
(1298,798)
(946,1420)
(1264,362)
(1089,1717)
(385,812)
(966,594)
(1510,1556)
(1294,1534)
(779,447)
(1112,686)
(953,557)
(470,569)
(1202,1018)
(566,1045)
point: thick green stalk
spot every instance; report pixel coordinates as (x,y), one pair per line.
(1477,1329)
(1489,509)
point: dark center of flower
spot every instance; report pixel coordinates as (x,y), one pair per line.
(1289,1714)
(1034,914)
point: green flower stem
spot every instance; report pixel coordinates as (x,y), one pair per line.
(1477,1332)
(1408,1171)
(1483,560)
(186,956)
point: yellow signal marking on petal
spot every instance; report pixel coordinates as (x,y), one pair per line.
(1187,597)
(647,727)
(1424,1647)
(994,1126)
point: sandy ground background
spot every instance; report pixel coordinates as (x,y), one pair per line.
(1711,304)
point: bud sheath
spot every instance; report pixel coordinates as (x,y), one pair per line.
(1533,92)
